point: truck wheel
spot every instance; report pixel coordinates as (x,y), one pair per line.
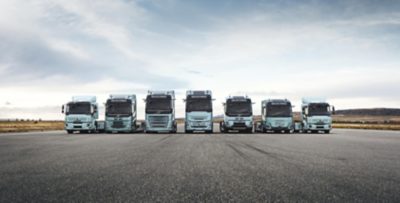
(188,131)
(327,131)
(209,131)
(222,127)
(314,131)
(70,131)
(287,131)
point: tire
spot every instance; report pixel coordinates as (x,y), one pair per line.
(314,131)
(327,131)
(70,131)
(188,131)
(287,131)
(209,131)
(222,128)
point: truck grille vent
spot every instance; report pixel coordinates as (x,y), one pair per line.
(158,121)
(239,125)
(118,124)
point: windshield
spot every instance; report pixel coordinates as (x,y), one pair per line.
(279,110)
(78,108)
(158,105)
(118,108)
(239,108)
(318,110)
(199,104)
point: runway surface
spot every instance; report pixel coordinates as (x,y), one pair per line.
(347,165)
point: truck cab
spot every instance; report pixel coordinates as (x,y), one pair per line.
(81,114)
(276,116)
(198,111)
(316,115)
(160,112)
(121,114)
(238,115)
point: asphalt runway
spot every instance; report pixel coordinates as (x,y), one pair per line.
(347,165)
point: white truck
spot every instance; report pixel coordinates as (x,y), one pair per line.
(315,116)
(81,115)
(238,115)
(121,113)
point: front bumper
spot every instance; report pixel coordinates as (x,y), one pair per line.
(198,125)
(320,127)
(266,128)
(239,126)
(79,126)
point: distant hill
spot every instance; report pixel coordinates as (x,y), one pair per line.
(370,112)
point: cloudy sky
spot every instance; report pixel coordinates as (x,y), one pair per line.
(347,51)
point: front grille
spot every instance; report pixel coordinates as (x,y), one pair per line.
(199,118)
(77,126)
(239,125)
(118,124)
(77,122)
(158,121)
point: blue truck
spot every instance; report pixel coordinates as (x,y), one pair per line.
(120,115)
(238,115)
(81,115)
(198,111)
(315,116)
(160,112)
(276,116)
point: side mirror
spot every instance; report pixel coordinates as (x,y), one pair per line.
(333,110)
(62,109)
(306,111)
(95,109)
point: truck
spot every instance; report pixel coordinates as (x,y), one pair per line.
(81,114)
(120,115)
(276,116)
(160,112)
(198,111)
(238,115)
(315,116)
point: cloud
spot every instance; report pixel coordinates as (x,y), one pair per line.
(89,38)
(344,50)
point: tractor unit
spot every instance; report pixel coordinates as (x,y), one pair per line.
(276,116)
(121,114)
(160,112)
(198,111)
(81,115)
(238,115)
